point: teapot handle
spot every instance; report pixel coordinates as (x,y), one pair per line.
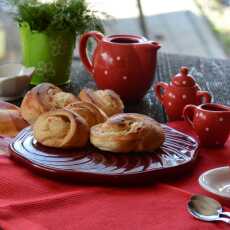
(83,48)
(158,90)
(203,97)
(188,113)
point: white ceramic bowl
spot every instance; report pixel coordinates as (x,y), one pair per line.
(217,181)
(14,79)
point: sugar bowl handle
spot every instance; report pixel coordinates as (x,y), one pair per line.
(188,114)
(83,48)
(203,97)
(160,87)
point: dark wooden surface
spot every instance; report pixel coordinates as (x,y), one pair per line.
(211,74)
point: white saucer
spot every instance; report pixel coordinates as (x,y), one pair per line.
(14,80)
(217,181)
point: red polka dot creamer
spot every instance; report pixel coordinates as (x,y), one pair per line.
(210,121)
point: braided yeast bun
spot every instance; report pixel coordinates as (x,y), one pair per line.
(61,129)
(127,132)
(88,111)
(107,100)
(62,99)
(11,120)
(42,98)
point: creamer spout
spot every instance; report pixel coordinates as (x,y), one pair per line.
(155,45)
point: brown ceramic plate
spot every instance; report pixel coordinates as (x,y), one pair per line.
(91,165)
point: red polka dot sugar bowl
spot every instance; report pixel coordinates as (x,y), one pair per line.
(211,122)
(123,63)
(181,91)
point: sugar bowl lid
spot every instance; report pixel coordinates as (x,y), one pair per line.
(183,79)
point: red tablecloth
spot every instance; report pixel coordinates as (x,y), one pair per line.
(29,201)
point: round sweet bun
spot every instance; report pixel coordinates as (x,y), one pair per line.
(11,120)
(91,113)
(43,98)
(62,99)
(61,129)
(128,132)
(107,100)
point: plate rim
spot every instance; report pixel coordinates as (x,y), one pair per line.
(14,153)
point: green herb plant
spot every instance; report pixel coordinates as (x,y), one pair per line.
(60,15)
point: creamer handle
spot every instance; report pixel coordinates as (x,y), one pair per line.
(188,114)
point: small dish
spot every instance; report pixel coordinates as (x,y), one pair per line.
(217,181)
(14,79)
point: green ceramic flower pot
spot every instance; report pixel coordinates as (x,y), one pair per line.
(49,52)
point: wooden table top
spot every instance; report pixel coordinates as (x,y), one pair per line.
(211,74)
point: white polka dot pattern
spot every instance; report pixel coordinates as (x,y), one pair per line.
(207,129)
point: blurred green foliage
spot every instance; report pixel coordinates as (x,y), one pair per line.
(59,15)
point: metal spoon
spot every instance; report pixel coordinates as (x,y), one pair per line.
(207,209)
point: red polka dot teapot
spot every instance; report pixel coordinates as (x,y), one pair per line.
(181,91)
(123,63)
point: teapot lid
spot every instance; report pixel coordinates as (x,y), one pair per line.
(183,79)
